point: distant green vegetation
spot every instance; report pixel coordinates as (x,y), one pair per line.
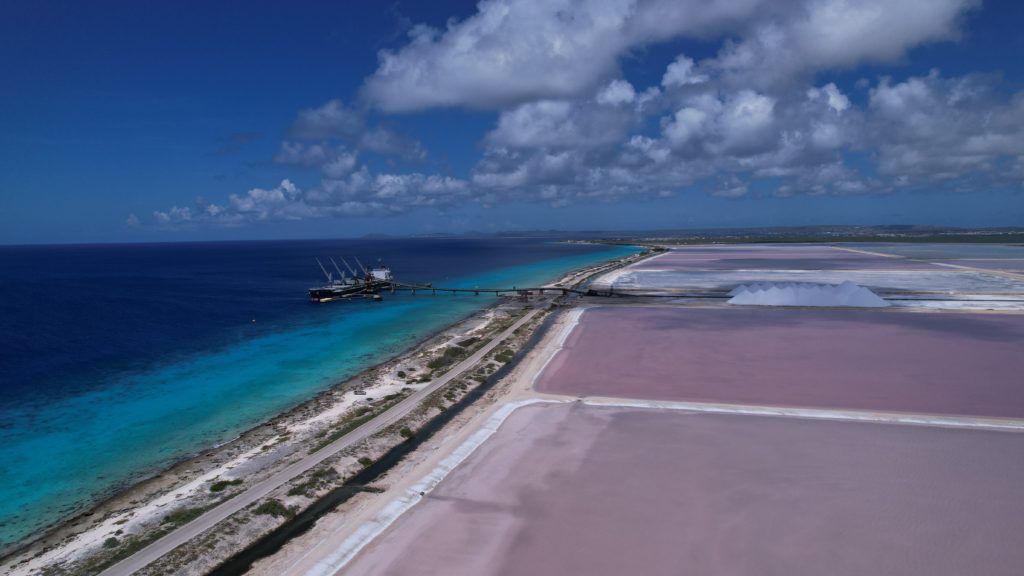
(364,461)
(825,234)
(183,516)
(275,508)
(449,357)
(468,342)
(115,550)
(220,485)
(318,479)
(349,424)
(360,416)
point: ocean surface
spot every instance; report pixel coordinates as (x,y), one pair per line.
(117,360)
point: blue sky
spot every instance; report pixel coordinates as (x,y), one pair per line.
(138,121)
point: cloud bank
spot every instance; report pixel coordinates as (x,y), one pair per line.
(751,118)
(516,51)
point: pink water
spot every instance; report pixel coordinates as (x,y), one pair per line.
(948,363)
(599,491)
(776,258)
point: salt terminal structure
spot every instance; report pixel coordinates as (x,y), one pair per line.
(372,281)
(353,285)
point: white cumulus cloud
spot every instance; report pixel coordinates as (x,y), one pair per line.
(681,73)
(616,93)
(752,116)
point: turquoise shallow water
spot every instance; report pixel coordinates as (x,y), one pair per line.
(60,455)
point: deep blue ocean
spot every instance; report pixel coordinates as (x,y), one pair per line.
(117,360)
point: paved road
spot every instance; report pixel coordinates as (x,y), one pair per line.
(151,553)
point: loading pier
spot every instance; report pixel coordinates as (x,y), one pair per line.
(397,286)
(372,281)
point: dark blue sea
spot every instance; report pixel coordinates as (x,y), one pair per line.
(116,360)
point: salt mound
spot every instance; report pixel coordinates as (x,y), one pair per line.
(805,294)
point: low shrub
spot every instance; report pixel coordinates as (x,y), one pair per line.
(182,516)
(220,485)
(275,508)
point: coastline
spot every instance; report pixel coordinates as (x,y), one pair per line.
(256,453)
(488,521)
(342,533)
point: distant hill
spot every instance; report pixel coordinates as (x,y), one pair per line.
(824,233)
(887,233)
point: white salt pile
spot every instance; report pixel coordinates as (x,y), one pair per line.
(805,294)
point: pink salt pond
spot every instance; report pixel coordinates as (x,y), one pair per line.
(571,489)
(1007,265)
(941,363)
(776,258)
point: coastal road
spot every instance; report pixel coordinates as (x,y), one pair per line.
(157,549)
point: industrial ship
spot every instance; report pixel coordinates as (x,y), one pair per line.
(366,284)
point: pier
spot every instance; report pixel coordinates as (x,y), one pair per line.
(373,290)
(369,283)
(401,286)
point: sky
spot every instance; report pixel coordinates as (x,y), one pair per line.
(178,121)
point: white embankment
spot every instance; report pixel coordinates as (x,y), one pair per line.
(365,534)
(970,422)
(572,318)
